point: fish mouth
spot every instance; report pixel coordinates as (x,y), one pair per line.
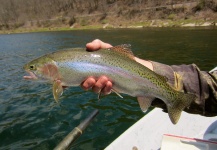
(31,76)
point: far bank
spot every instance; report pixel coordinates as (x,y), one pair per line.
(142,24)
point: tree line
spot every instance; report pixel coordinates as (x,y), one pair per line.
(21,11)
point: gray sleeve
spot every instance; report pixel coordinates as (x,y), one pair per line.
(202,84)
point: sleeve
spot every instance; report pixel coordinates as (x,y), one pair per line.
(202,84)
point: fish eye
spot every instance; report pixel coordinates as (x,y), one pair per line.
(32,67)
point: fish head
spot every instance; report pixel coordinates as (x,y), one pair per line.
(41,69)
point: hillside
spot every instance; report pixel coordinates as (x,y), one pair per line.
(32,14)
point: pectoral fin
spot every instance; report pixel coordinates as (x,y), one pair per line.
(57,90)
(145,102)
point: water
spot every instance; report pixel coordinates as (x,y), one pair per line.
(29,117)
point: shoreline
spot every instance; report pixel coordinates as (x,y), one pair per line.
(139,25)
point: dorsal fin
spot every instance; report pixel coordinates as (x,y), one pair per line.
(124,49)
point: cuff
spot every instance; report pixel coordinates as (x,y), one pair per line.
(192,83)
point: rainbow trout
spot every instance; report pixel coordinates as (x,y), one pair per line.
(72,66)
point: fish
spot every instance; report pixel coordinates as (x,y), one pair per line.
(70,67)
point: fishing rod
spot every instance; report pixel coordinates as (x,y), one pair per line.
(66,143)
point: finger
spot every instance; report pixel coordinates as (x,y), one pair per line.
(107,89)
(94,45)
(88,83)
(100,84)
(97,44)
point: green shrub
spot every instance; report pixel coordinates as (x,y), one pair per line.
(71,21)
(172,16)
(104,21)
(84,22)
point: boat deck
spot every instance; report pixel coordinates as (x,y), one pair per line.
(148,132)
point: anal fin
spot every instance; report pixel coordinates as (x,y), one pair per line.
(178,82)
(145,102)
(178,85)
(57,90)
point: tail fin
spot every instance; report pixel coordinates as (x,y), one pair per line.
(182,101)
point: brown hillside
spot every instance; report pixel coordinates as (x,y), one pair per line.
(63,13)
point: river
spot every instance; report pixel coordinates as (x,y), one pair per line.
(31,119)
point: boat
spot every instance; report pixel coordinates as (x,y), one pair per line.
(156,132)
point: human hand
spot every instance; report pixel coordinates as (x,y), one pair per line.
(96,45)
(102,84)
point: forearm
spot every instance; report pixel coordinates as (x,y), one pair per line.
(146,63)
